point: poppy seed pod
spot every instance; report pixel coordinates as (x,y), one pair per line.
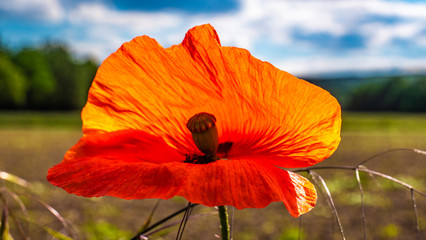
(204,133)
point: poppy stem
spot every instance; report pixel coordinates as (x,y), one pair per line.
(224,223)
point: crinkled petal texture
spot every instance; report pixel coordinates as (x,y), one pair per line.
(268,114)
(132,164)
(135,138)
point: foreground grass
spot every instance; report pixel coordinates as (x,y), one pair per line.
(384,122)
(40,119)
(34,142)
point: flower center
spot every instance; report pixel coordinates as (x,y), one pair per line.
(204,133)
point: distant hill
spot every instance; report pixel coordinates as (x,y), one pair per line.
(347,86)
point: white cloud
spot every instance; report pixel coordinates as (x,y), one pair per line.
(101,30)
(379,34)
(98,14)
(98,42)
(317,65)
(393,8)
(49,10)
(275,20)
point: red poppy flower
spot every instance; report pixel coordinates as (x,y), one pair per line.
(136,145)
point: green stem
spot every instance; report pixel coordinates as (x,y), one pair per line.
(224,223)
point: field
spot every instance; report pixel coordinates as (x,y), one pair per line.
(33,142)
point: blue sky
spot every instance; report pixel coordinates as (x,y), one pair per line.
(303,37)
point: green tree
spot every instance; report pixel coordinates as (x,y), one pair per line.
(63,69)
(13,84)
(73,78)
(390,94)
(84,75)
(381,96)
(364,97)
(41,82)
(414,97)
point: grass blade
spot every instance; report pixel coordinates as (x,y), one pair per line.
(393,180)
(184,221)
(389,151)
(4,228)
(330,201)
(57,215)
(23,209)
(14,179)
(161,222)
(149,219)
(358,179)
(56,234)
(178,222)
(416,215)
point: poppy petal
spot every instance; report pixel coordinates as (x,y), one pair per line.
(114,163)
(129,145)
(266,113)
(279,118)
(132,164)
(247,184)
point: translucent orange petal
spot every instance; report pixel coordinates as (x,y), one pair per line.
(246,184)
(135,165)
(125,164)
(267,113)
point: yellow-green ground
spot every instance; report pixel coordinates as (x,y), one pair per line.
(30,143)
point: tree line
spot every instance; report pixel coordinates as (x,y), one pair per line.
(44,78)
(380,92)
(51,78)
(406,94)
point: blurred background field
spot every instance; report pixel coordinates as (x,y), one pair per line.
(33,141)
(42,91)
(370,55)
